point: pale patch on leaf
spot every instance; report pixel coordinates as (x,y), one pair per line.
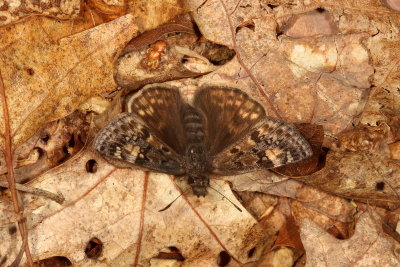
(369,246)
(55,78)
(111,204)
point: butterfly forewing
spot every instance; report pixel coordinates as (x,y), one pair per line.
(127,138)
(229,113)
(161,109)
(270,143)
(225,132)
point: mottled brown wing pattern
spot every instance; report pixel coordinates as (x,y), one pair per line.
(161,109)
(225,132)
(230,114)
(127,138)
(270,143)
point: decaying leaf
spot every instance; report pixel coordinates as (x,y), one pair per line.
(56,77)
(333,66)
(367,247)
(120,208)
(11,11)
(361,176)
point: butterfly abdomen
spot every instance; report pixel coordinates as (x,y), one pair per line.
(196,164)
(194,126)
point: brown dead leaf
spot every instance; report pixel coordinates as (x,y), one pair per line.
(369,246)
(133,74)
(55,77)
(55,143)
(393,4)
(280,257)
(289,236)
(321,80)
(12,11)
(120,208)
(381,112)
(334,77)
(361,176)
(366,138)
(334,214)
(180,24)
(150,14)
(315,22)
(395,150)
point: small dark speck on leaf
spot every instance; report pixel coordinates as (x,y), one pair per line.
(380,186)
(223,258)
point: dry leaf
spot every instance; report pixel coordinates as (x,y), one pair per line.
(340,72)
(120,208)
(289,236)
(361,176)
(55,77)
(315,22)
(321,80)
(367,247)
(11,11)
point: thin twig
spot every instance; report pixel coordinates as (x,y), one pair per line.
(59,198)
(10,171)
(241,62)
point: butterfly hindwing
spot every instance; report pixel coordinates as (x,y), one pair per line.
(270,143)
(230,114)
(224,132)
(127,138)
(161,109)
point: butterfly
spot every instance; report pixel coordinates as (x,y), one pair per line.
(224,131)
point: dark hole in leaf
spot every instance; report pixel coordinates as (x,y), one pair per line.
(12,230)
(30,71)
(322,157)
(173,254)
(320,10)
(58,261)
(250,253)
(91,166)
(184,60)
(340,236)
(173,248)
(94,248)
(223,258)
(218,54)
(45,138)
(3,260)
(272,6)
(196,30)
(65,156)
(80,139)
(379,186)
(71,141)
(334,231)
(24,181)
(248,26)
(40,151)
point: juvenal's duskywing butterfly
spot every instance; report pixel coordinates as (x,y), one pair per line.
(223,132)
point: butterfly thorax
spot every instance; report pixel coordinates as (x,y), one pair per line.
(196,164)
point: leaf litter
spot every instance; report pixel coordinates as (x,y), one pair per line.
(330,65)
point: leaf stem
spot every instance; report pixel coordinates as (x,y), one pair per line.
(18,208)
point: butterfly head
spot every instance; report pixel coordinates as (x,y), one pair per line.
(199,185)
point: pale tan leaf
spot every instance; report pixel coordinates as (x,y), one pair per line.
(367,247)
(55,78)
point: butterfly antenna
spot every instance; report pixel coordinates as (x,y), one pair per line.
(236,206)
(172,202)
